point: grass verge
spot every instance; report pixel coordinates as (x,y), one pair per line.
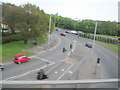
(102,35)
(10,50)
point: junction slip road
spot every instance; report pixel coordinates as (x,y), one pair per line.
(59,65)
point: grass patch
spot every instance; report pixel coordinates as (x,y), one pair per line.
(102,35)
(10,50)
(112,47)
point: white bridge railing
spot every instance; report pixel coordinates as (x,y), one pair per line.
(62,82)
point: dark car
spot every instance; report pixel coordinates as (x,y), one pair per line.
(1,66)
(66,31)
(56,29)
(89,45)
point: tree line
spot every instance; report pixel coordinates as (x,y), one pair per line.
(87,25)
(26,21)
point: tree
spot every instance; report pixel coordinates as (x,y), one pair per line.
(28,19)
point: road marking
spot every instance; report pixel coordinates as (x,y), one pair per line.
(62,70)
(45,60)
(69,53)
(70,72)
(56,72)
(65,72)
(32,56)
(25,73)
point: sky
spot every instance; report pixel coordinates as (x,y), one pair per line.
(105,10)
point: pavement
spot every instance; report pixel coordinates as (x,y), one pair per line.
(53,40)
(60,66)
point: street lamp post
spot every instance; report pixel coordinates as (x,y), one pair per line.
(94,35)
(54,20)
(29,39)
(49,30)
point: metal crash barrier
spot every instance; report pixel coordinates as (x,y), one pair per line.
(62,82)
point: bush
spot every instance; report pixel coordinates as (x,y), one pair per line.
(5,34)
(16,37)
(5,40)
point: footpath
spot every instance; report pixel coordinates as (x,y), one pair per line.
(53,40)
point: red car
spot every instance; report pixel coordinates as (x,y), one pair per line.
(21,58)
(62,34)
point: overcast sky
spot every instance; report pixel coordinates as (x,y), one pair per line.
(81,9)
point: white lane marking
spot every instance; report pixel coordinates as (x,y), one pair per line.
(32,56)
(68,53)
(25,73)
(56,72)
(65,72)
(45,60)
(70,72)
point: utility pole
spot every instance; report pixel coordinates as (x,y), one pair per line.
(94,35)
(54,20)
(49,30)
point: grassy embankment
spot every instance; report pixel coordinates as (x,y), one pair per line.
(102,35)
(10,50)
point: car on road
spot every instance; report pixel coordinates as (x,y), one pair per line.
(62,34)
(57,30)
(21,58)
(1,66)
(66,31)
(89,45)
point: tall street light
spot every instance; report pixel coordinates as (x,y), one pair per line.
(94,35)
(49,30)
(29,39)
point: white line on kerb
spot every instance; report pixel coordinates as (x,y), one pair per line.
(45,60)
(65,72)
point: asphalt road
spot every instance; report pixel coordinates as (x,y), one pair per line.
(52,57)
(109,61)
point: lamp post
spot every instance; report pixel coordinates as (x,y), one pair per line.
(49,30)
(29,39)
(94,35)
